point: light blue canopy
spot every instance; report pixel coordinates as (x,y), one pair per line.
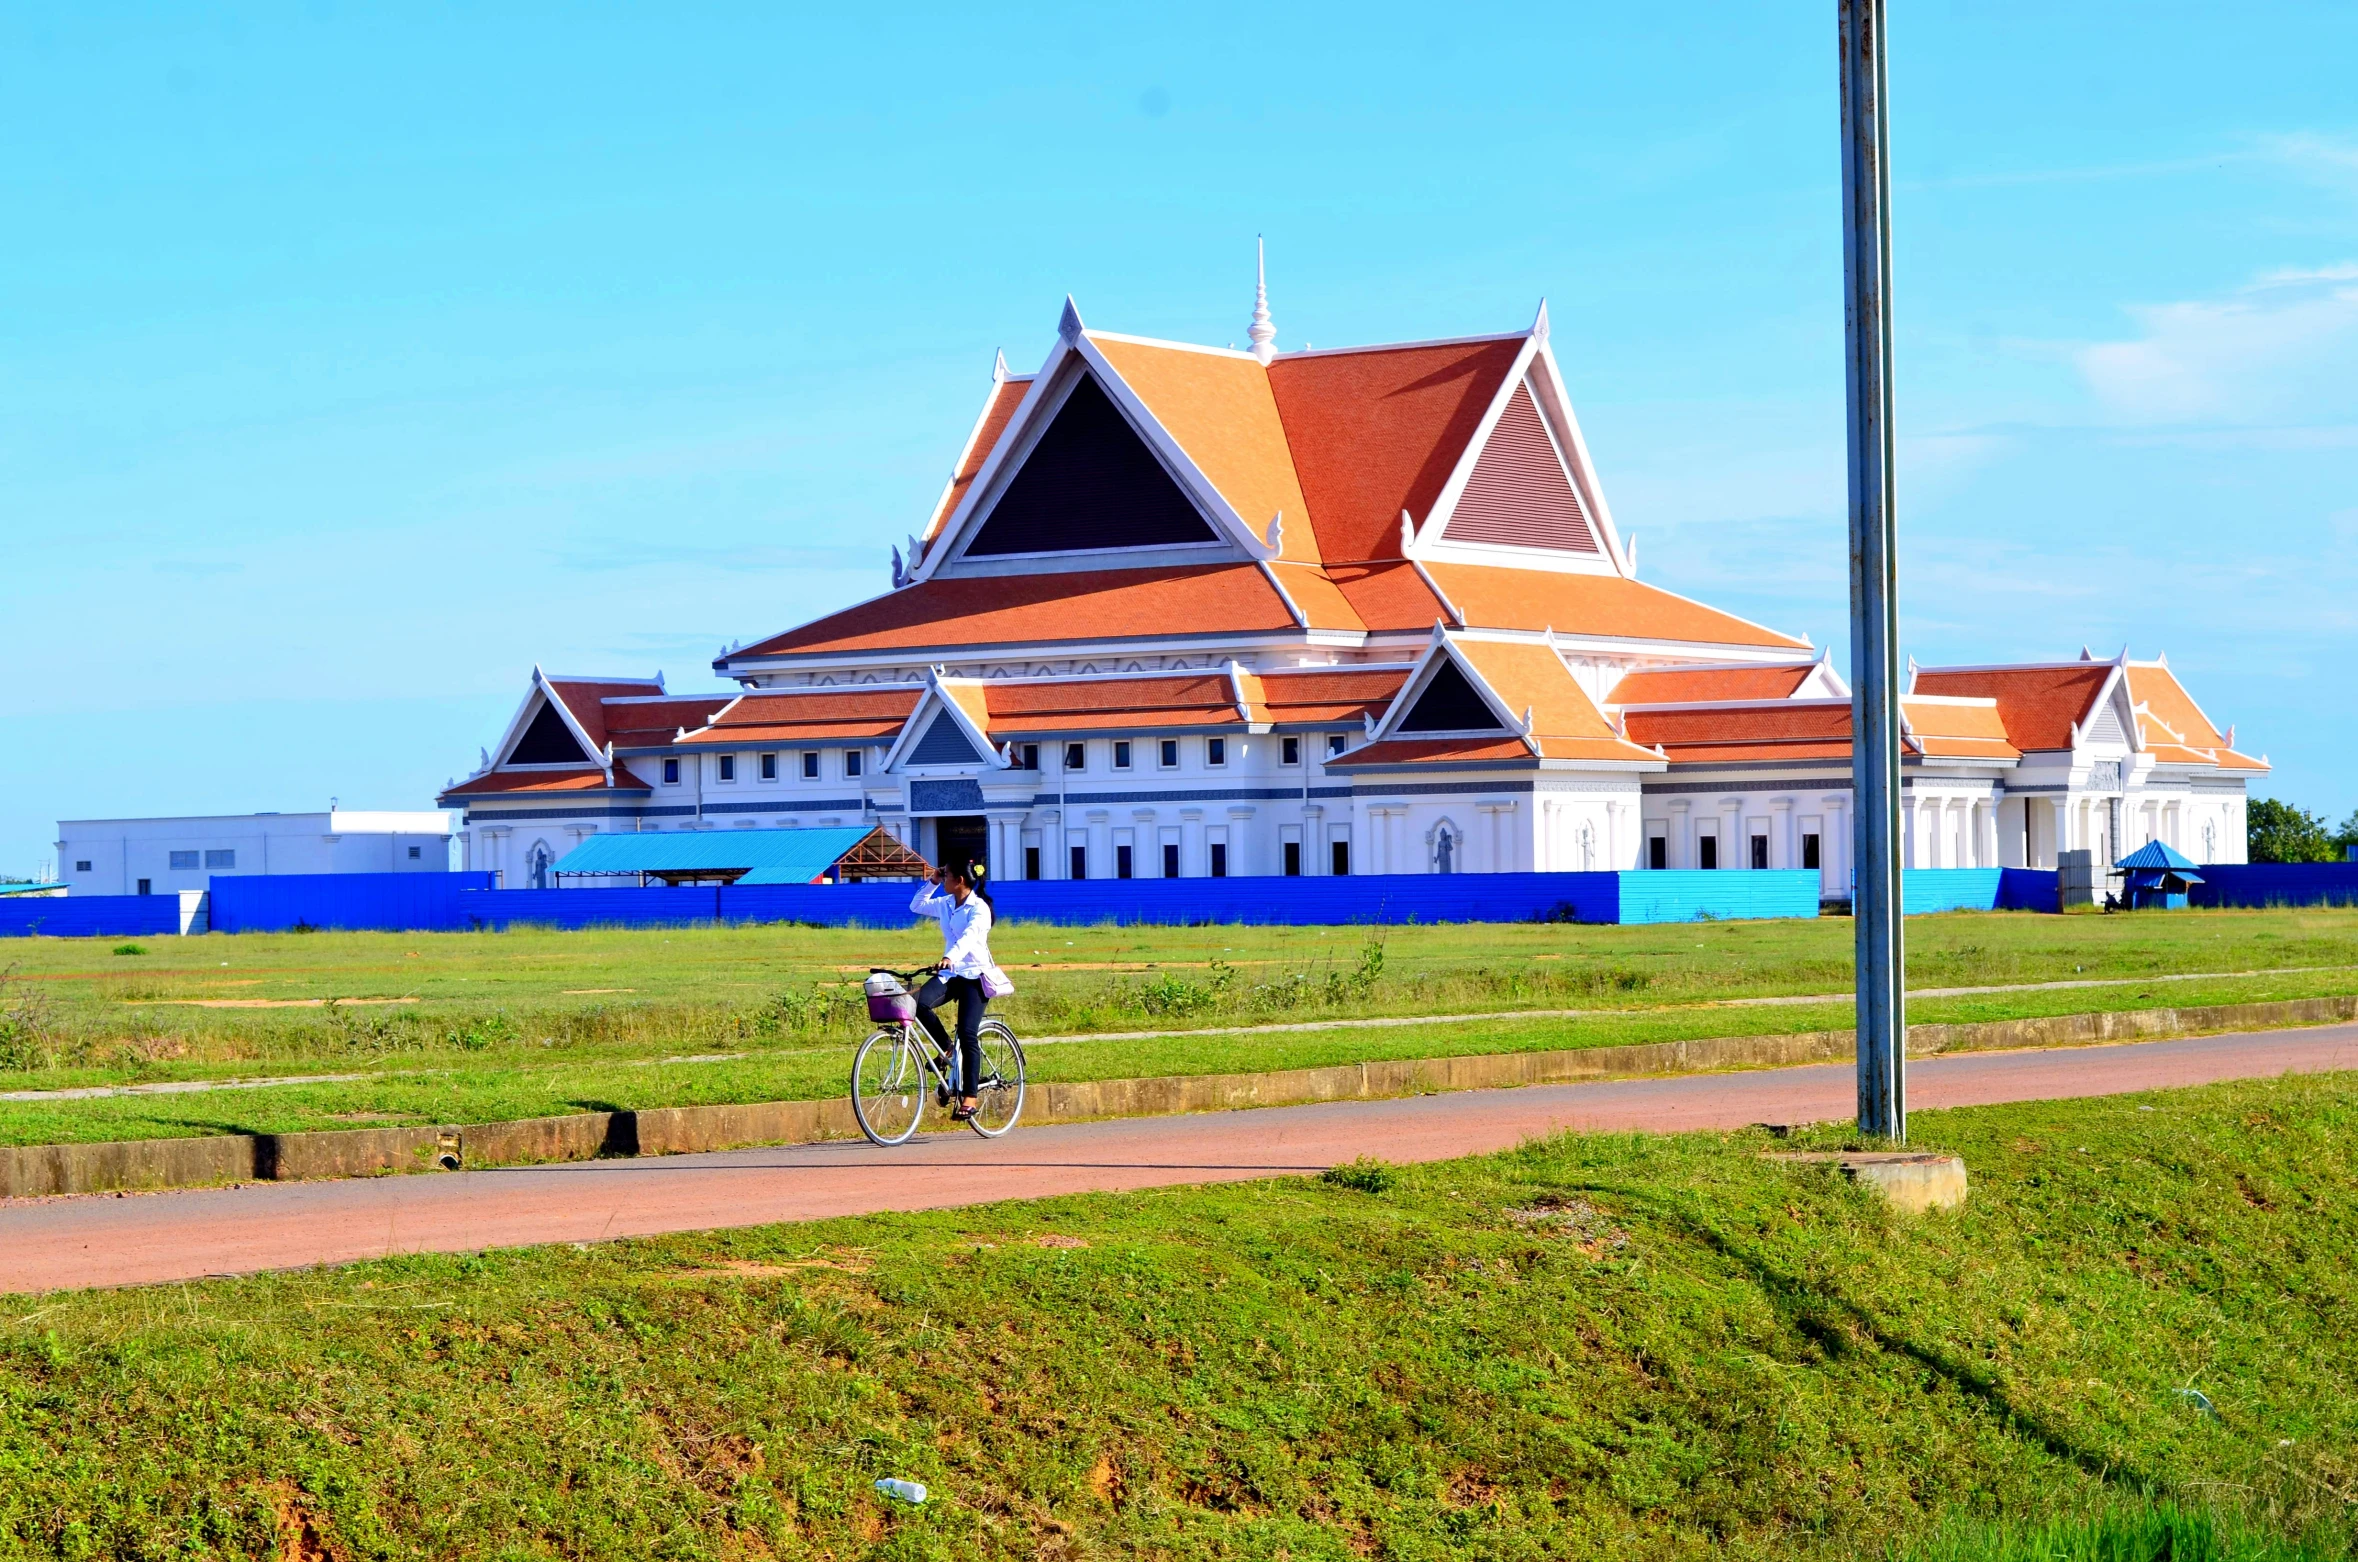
(767,856)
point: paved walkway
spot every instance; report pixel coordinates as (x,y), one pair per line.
(103,1240)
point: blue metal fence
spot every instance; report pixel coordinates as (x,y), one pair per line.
(2277,884)
(461,901)
(89,916)
(387,902)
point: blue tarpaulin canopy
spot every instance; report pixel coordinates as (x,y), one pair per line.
(730,856)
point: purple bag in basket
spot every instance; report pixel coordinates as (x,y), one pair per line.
(888,999)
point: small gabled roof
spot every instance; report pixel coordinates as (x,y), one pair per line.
(500,783)
(859,712)
(1956,727)
(2038,703)
(2160,856)
(645,724)
(956,701)
(1543,711)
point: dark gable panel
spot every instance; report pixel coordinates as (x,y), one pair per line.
(1090,483)
(1450,704)
(548,741)
(944,743)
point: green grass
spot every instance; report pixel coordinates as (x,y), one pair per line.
(529,1023)
(1595,1346)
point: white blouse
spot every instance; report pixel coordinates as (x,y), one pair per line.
(966,930)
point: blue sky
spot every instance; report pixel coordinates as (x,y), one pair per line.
(353,359)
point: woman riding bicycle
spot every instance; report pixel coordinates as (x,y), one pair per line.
(965,913)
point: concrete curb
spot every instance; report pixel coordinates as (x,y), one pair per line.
(143,1164)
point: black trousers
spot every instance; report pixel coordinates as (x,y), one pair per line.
(968,991)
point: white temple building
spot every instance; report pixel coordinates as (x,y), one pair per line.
(1186,611)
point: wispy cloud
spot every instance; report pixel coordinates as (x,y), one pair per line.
(2282,348)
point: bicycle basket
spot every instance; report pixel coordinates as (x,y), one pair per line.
(888,999)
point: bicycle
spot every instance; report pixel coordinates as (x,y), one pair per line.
(899,1065)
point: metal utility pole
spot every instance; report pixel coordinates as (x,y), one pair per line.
(1874,588)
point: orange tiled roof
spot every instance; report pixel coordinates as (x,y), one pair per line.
(815,715)
(1325,695)
(585,699)
(1435,751)
(2036,705)
(2166,701)
(1219,408)
(951,614)
(1190,699)
(1532,676)
(1608,605)
(656,723)
(1378,431)
(1742,726)
(1687,685)
(998,411)
(1389,596)
(502,782)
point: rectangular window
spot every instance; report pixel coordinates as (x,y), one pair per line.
(417,853)
(769,767)
(671,772)
(1027,756)
(1809,851)
(1289,751)
(854,762)
(1334,744)
(1215,751)
(1657,851)
(1339,854)
(810,764)
(1031,862)
(728,767)
(1080,861)
(144,887)
(1170,859)
(1122,759)
(1121,862)
(1076,756)
(1706,851)
(1293,859)
(183,862)
(221,859)
(1219,859)
(82,865)
(1167,753)
(1760,851)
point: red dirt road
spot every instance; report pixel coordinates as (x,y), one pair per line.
(101,1240)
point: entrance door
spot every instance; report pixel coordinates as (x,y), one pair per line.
(961,839)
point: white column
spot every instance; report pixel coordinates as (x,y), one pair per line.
(1612,857)
(2059,820)
(1734,850)
(1909,808)
(1834,847)
(1987,837)
(1193,859)
(1781,849)
(1241,858)
(1682,833)
(1315,857)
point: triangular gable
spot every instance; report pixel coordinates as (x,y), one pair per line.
(547,740)
(944,729)
(1520,491)
(945,743)
(1089,483)
(1449,702)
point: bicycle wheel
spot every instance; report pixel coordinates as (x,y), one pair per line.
(888,1086)
(1000,1100)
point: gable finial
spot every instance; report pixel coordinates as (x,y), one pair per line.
(999,363)
(1068,326)
(1539,325)
(1263,333)
(1407,534)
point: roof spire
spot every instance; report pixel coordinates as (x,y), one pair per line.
(1263,333)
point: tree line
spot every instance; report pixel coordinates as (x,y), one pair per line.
(2277,831)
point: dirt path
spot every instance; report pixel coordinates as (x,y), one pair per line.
(102,1240)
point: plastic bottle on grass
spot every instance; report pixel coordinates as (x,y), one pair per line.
(910,1492)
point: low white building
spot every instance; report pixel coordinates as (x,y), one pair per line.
(164,856)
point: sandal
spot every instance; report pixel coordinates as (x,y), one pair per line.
(964,1111)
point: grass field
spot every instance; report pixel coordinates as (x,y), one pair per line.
(494,1026)
(2142,1329)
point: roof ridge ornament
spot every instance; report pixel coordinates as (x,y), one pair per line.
(1263,331)
(999,358)
(1539,323)
(1068,325)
